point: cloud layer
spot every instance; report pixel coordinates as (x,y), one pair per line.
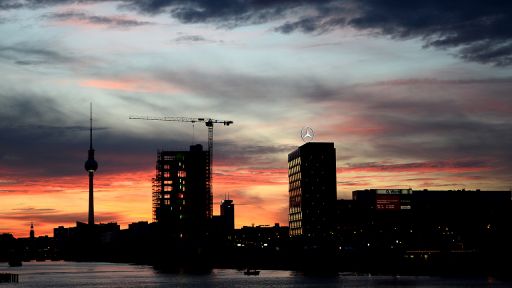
(479,30)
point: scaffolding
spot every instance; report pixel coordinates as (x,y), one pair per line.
(157,187)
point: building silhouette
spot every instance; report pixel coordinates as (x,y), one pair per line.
(312,191)
(227,212)
(180,195)
(181,208)
(432,231)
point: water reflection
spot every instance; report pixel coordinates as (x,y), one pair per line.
(87,274)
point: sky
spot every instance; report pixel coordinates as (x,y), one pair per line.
(414,94)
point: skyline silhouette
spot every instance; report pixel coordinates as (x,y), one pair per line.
(419,97)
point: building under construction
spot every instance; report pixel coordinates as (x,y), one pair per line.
(181,188)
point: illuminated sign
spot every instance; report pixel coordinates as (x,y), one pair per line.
(387,202)
(393,191)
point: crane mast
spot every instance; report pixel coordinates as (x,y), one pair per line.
(209,123)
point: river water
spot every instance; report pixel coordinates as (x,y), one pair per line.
(98,274)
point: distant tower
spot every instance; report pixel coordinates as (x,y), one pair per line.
(91,166)
(227,209)
(32,233)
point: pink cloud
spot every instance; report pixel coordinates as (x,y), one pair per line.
(131,85)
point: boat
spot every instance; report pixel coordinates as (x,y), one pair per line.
(251,272)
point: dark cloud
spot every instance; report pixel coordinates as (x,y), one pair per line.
(431,166)
(194,39)
(316,24)
(33,54)
(41,135)
(254,155)
(10,4)
(480,30)
(110,21)
(222,13)
(354,183)
(190,38)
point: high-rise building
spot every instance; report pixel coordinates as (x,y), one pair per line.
(312,190)
(227,211)
(180,196)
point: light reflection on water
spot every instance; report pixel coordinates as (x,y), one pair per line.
(96,274)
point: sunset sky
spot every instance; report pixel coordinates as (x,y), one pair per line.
(412,93)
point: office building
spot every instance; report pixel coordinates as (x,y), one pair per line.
(312,190)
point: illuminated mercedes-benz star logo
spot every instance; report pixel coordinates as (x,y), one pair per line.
(307,134)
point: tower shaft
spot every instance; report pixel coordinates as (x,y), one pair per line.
(91,198)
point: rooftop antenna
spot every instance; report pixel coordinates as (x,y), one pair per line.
(193,133)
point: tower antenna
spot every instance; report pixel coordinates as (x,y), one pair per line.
(90,134)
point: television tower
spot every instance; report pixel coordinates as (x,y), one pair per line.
(91,166)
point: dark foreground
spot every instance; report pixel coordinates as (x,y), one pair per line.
(101,274)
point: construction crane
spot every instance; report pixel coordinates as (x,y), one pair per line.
(209,123)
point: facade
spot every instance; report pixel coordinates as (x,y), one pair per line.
(180,195)
(312,190)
